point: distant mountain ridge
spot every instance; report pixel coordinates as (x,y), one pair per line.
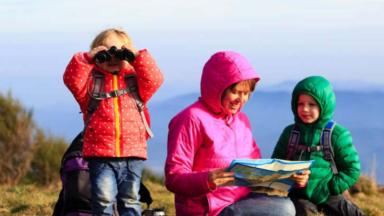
(355,86)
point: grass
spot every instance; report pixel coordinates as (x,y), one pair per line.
(161,197)
(27,200)
(368,196)
(30,200)
(370,204)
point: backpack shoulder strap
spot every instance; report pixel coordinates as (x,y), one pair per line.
(131,83)
(97,93)
(326,142)
(293,142)
(97,89)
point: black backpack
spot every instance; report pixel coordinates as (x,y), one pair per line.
(325,145)
(75,195)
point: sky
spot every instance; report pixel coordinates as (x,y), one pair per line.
(284,40)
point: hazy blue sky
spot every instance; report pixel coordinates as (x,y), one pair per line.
(284,40)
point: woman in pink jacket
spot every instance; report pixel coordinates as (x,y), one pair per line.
(205,137)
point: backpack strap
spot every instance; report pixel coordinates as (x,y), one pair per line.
(94,93)
(326,142)
(293,142)
(305,148)
(97,94)
(131,83)
(97,91)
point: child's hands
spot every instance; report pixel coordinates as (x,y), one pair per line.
(221,177)
(301,178)
(95,50)
(130,47)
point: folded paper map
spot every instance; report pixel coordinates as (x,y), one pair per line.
(271,173)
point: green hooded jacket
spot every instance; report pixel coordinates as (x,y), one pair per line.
(322,182)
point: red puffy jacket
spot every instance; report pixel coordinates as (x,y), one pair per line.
(115,129)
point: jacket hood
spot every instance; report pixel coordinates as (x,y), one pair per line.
(321,90)
(223,69)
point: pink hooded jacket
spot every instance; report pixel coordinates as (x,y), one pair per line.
(202,138)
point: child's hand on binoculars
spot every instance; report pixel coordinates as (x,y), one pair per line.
(91,54)
(130,47)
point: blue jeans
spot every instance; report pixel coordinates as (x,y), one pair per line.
(115,181)
(260,204)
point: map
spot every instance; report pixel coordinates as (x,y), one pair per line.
(271,173)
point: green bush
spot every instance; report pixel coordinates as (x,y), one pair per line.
(17,136)
(26,152)
(46,162)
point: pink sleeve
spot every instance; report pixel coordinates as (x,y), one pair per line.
(149,76)
(76,76)
(184,139)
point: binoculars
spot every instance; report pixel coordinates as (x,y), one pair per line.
(121,54)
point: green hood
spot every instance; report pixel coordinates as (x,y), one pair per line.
(321,90)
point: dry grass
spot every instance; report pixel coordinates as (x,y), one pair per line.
(161,197)
(372,205)
(27,200)
(30,200)
(368,196)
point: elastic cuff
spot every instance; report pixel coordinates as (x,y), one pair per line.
(211,186)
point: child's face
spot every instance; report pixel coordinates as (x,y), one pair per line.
(307,109)
(115,65)
(234,98)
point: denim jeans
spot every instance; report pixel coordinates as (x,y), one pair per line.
(260,204)
(115,181)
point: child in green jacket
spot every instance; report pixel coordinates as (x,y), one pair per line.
(313,103)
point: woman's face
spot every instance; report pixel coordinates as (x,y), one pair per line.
(307,109)
(234,98)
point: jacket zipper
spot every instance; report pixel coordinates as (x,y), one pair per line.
(230,126)
(117,116)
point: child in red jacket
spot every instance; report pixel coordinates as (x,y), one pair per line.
(112,83)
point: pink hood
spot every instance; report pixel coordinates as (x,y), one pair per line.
(214,81)
(201,139)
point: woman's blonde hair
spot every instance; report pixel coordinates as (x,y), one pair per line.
(100,38)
